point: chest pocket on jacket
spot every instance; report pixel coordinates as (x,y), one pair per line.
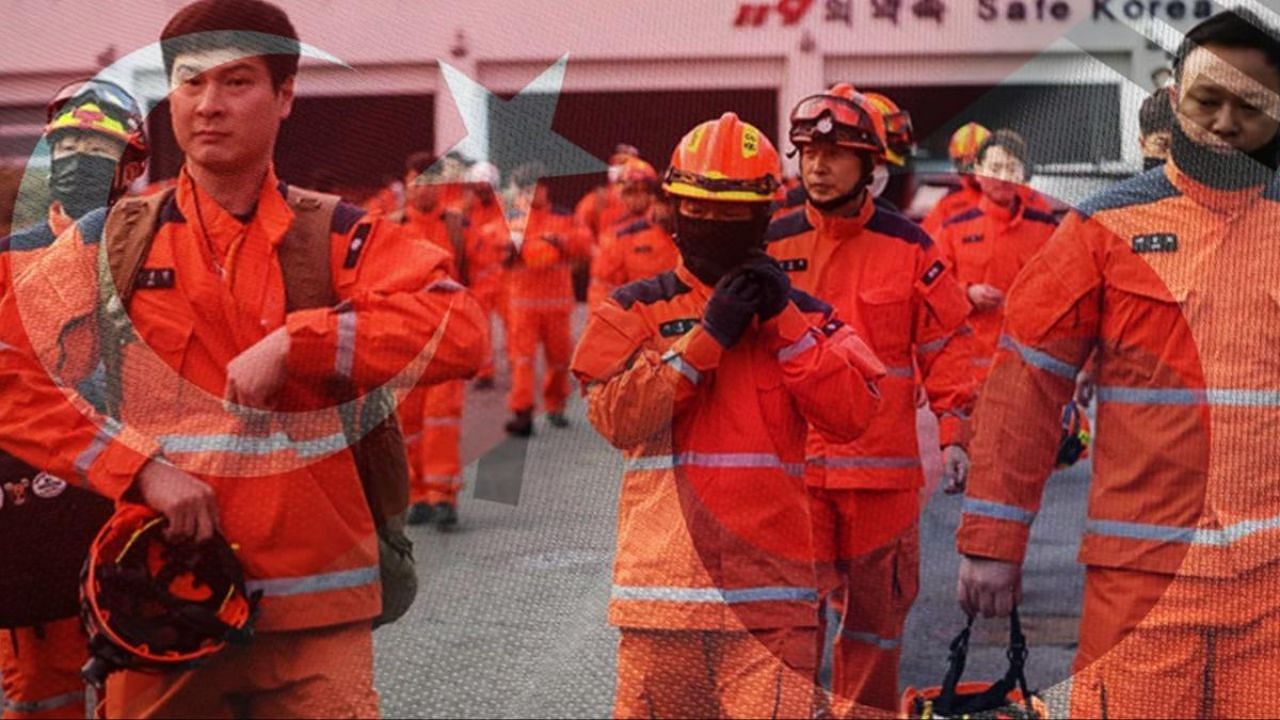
(1144,326)
(152,377)
(886,314)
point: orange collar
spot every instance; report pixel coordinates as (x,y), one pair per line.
(1219,201)
(840,227)
(1004,215)
(701,290)
(59,220)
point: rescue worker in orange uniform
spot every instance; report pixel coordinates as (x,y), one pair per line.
(486,273)
(887,279)
(542,243)
(431,416)
(1168,277)
(602,208)
(223,416)
(97,148)
(707,378)
(990,243)
(963,150)
(893,178)
(640,245)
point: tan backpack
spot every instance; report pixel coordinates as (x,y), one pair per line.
(369,423)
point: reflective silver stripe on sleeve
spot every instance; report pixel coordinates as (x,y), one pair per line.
(900,371)
(737,596)
(999,511)
(933,345)
(31,707)
(345,357)
(841,463)
(690,372)
(803,344)
(713,460)
(251,444)
(1170,533)
(872,639)
(106,433)
(324,582)
(1221,397)
(1039,359)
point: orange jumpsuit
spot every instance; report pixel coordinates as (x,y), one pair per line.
(888,280)
(431,416)
(966,197)
(630,251)
(713,587)
(286,486)
(486,272)
(1171,283)
(990,244)
(540,291)
(40,667)
(600,209)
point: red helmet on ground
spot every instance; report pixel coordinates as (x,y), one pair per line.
(842,115)
(727,160)
(153,605)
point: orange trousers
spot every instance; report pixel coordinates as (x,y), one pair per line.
(40,668)
(325,672)
(529,327)
(1161,646)
(492,296)
(705,674)
(431,419)
(867,544)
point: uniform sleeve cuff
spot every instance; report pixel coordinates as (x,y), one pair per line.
(953,431)
(114,471)
(312,336)
(992,539)
(699,349)
(785,328)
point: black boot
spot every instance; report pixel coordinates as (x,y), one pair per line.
(485,383)
(445,516)
(419,514)
(521,425)
(558,419)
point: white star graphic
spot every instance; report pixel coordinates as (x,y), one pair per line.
(514,133)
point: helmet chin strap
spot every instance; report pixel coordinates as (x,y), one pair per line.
(838,201)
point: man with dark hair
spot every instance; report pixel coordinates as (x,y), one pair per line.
(1168,279)
(1155,129)
(231,390)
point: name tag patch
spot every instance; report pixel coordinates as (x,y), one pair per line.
(642,249)
(155,279)
(970,239)
(794,264)
(1155,242)
(933,273)
(676,328)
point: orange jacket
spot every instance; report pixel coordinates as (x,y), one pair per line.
(886,278)
(966,197)
(1171,284)
(485,257)
(630,251)
(540,272)
(430,227)
(713,513)
(600,209)
(990,244)
(286,485)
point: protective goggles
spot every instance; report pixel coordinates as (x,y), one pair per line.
(898,128)
(112,98)
(827,117)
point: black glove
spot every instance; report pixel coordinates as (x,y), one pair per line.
(731,307)
(775,287)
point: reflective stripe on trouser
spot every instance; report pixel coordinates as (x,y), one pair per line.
(868,589)
(695,673)
(1154,645)
(431,419)
(41,671)
(529,328)
(322,672)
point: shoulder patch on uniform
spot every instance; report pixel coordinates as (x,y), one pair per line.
(933,273)
(1155,242)
(345,216)
(33,238)
(359,239)
(807,303)
(92,225)
(1149,187)
(634,227)
(787,226)
(155,279)
(893,224)
(169,212)
(660,287)
(794,264)
(965,216)
(1039,216)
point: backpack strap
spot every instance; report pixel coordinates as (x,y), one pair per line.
(126,239)
(305,253)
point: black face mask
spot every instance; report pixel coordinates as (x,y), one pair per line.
(82,182)
(711,248)
(1151,163)
(1224,171)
